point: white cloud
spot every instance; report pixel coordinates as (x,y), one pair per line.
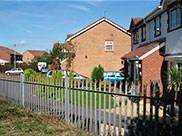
(93,3)
(80,7)
(22,43)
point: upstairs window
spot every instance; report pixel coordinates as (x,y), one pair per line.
(135,37)
(143,33)
(157,26)
(109,45)
(174,18)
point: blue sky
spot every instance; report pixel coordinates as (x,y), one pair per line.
(38,24)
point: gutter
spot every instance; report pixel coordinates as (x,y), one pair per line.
(158,9)
(132,58)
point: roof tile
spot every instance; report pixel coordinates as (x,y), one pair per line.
(138,52)
(36,53)
(9,51)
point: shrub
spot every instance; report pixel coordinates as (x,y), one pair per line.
(29,73)
(97,73)
(100,73)
(90,84)
(107,85)
(54,76)
(93,74)
(60,76)
(70,77)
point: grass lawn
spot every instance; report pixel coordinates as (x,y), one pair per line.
(17,121)
(53,91)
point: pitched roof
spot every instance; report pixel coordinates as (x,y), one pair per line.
(9,51)
(70,37)
(136,20)
(37,53)
(141,51)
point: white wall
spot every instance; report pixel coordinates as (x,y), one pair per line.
(173,38)
(174,42)
(150,31)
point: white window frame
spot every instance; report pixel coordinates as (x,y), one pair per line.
(173,19)
(157,26)
(109,43)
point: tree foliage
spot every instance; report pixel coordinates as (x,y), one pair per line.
(97,73)
(70,77)
(175,77)
(63,51)
(45,58)
(54,75)
(93,74)
(29,73)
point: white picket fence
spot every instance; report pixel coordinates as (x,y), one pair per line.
(97,107)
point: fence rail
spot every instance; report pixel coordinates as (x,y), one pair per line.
(99,107)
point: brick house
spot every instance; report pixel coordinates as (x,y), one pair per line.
(156,44)
(30,55)
(8,56)
(102,43)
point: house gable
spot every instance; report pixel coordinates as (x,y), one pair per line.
(94,24)
(90,48)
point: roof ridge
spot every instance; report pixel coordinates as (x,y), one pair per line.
(94,24)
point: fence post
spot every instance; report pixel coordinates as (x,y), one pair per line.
(172,110)
(144,110)
(22,88)
(180,111)
(67,97)
(151,107)
(156,107)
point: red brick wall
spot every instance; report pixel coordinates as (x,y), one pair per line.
(27,55)
(152,69)
(90,49)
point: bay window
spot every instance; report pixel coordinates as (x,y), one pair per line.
(174,18)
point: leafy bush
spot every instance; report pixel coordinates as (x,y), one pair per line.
(107,85)
(29,73)
(54,76)
(93,74)
(90,84)
(97,73)
(100,73)
(70,77)
(60,76)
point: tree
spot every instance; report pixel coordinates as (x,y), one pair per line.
(100,73)
(97,73)
(70,77)
(175,79)
(63,51)
(45,58)
(93,74)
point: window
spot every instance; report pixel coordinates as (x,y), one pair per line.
(27,58)
(135,37)
(174,18)
(157,26)
(109,45)
(143,33)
